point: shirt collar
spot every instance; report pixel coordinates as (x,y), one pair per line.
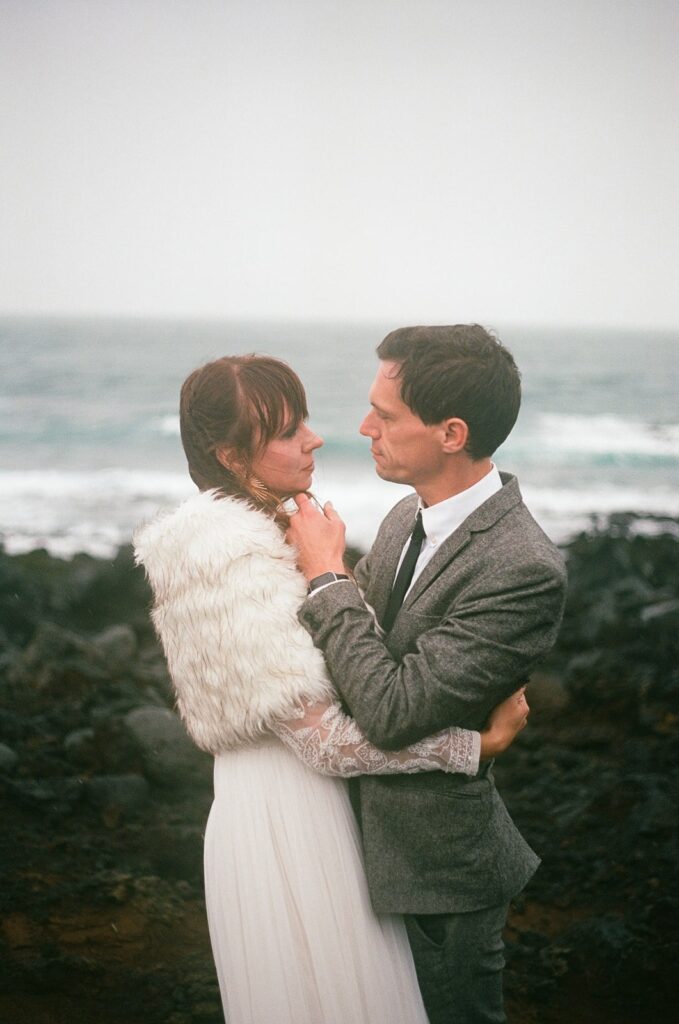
(442,519)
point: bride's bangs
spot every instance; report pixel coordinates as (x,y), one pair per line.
(276,397)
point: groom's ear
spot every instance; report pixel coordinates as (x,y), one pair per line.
(455,435)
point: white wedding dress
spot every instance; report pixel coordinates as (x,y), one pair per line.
(294,937)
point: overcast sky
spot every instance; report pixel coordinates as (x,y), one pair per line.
(408,160)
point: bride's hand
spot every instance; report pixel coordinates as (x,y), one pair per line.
(506,720)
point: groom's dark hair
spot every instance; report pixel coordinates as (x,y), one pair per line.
(461,371)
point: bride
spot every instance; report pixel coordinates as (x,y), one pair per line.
(293,935)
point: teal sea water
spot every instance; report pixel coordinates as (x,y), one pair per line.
(89,433)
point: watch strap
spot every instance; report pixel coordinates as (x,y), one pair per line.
(324,579)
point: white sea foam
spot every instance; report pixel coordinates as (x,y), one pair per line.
(167,425)
(95,511)
(109,483)
(606,434)
(563,512)
(98,511)
(598,434)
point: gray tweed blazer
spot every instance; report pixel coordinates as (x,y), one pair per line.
(485,609)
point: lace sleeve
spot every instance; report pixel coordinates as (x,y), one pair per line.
(331,742)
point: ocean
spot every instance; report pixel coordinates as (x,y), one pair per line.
(89,431)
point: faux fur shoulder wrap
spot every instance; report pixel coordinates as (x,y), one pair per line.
(226,594)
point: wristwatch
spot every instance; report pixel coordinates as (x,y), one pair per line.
(325,578)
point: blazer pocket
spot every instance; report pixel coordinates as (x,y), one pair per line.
(427,931)
(468,812)
(410,627)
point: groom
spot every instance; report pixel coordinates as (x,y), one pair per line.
(468,593)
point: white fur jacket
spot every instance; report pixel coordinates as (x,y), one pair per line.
(226,594)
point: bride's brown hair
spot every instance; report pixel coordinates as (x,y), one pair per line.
(239,404)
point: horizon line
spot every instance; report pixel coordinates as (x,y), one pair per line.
(326,319)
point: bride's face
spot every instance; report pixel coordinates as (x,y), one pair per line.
(286,463)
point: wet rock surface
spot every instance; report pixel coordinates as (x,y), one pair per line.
(104,800)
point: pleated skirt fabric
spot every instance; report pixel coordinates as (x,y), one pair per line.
(294,938)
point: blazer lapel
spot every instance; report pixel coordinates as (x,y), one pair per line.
(441,560)
(483,518)
(385,566)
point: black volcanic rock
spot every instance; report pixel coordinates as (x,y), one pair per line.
(594,786)
(104,799)
(168,755)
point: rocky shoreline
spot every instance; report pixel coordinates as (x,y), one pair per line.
(104,800)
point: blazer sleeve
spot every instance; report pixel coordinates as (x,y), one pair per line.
(362,571)
(463,664)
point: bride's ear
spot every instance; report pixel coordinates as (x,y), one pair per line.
(228,458)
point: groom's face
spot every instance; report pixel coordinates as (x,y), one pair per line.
(405,450)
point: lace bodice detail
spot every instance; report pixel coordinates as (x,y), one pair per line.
(331,742)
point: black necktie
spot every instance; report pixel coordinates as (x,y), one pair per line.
(404,575)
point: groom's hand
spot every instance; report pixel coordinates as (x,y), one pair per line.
(318,537)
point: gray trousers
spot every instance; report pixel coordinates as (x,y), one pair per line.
(459,960)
